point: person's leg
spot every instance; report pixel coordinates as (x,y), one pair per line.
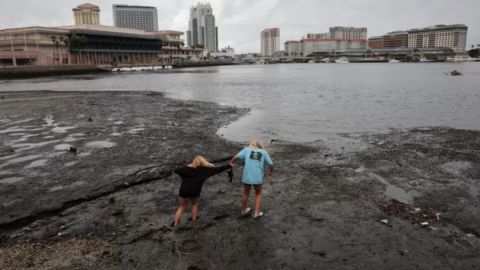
(180,210)
(258,198)
(246,193)
(194,203)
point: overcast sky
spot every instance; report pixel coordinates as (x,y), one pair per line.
(240,21)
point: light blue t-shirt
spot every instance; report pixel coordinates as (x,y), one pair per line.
(256,160)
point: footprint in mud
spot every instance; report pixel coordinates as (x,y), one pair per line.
(189,246)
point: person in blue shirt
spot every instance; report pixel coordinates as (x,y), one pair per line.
(256,162)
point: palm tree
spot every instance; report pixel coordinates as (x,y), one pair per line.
(66,42)
(54,41)
(60,42)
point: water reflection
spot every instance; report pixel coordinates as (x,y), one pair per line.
(302,102)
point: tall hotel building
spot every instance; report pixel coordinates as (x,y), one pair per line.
(202,31)
(135,17)
(86,14)
(270,41)
(439,36)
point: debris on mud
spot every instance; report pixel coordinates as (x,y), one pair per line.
(410,213)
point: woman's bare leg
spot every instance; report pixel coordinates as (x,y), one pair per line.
(258,198)
(194,203)
(180,210)
(246,193)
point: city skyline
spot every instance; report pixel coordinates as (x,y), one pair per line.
(240,22)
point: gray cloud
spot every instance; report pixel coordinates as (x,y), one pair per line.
(240,21)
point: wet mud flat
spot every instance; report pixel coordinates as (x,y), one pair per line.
(86,183)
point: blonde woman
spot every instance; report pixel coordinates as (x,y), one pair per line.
(193,176)
(256,160)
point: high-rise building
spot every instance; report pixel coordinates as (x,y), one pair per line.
(397,39)
(439,36)
(348,33)
(270,41)
(202,31)
(318,35)
(86,14)
(135,17)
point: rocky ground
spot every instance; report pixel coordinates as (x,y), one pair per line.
(86,183)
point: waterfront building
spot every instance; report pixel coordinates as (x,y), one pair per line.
(348,33)
(202,31)
(292,48)
(227,52)
(439,36)
(397,39)
(87,14)
(270,41)
(311,46)
(318,35)
(135,17)
(92,44)
(376,42)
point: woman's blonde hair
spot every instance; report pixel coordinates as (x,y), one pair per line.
(200,161)
(256,144)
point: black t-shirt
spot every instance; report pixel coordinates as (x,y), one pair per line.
(193,178)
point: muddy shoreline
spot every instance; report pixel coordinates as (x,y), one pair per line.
(85,183)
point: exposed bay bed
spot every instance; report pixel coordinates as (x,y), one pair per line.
(85,182)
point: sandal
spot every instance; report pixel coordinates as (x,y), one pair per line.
(247,212)
(260,214)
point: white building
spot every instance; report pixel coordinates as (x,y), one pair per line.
(439,36)
(135,17)
(86,14)
(202,31)
(225,52)
(292,48)
(270,41)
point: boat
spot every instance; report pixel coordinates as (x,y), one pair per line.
(341,60)
(458,59)
(325,60)
(394,61)
(423,59)
(311,61)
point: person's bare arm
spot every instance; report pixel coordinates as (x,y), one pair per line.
(232,161)
(269,172)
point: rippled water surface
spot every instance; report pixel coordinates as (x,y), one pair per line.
(305,102)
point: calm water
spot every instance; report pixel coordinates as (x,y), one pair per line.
(306,102)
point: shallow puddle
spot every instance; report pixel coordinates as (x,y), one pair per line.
(100,144)
(20,160)
(62,147)
(61,129)
(11,180)
(135,130)
(37,163)
(395,192)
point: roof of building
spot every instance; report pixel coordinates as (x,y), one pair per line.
(271,29)
(33,29)
(97,29)
(132,6)
(438,27)
(87,6)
